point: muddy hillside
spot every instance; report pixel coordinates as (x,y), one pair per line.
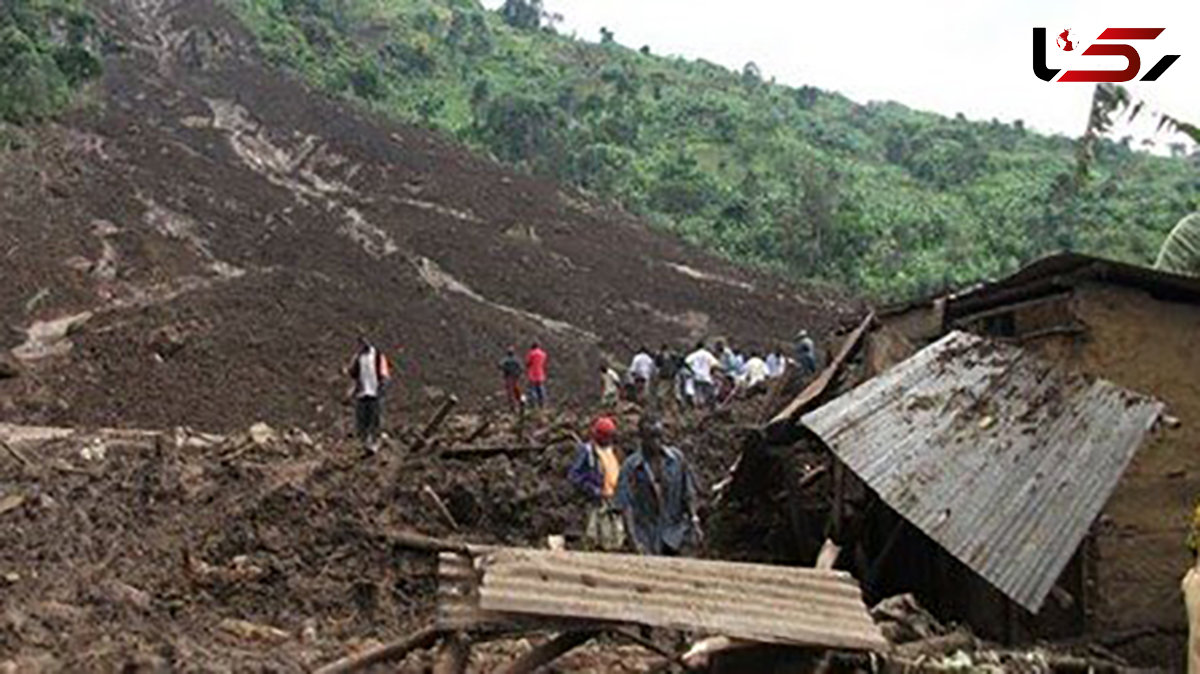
(202,242)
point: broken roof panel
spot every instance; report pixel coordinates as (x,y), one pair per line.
(776,604)
(998,456)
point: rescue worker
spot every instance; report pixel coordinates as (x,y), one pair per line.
(642,372)
(776,364)
(702,364)
(666,363)
(754,375)
(610,386)
(595,472)
(1191,597)
(806,353)
(535,373)
(371,373)
(510,368)
(657,494)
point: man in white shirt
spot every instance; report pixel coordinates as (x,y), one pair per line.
(642,371)
(776,365)
(702,362)
(610,383)
(371,373)
(755,372)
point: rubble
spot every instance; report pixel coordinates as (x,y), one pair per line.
(175,531)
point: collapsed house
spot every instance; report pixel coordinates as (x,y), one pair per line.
(992,450)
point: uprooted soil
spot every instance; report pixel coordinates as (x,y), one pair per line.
(149,551)
(201,243)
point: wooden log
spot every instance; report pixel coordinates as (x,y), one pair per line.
(811,476)
(434,423)
(16,455)
(484,425)
(439,506)
(453,655)
(699,655)
(939,645)
(828,555)
(877,566)
(548,652)
(634,637)
(415,541)
(838,514)
(396,650)
(471,451)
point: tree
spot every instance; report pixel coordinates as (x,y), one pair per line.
(31,85)
(751,74)
(523,14)
(1180,253)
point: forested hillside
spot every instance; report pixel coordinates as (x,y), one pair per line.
(878,197)
(47,50)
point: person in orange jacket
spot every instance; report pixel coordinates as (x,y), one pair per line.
(594,472)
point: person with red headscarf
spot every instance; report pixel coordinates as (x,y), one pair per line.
(594,472)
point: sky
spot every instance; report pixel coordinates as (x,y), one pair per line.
(945,56)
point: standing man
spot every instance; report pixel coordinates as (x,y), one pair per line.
(595,472)
(371,373)
(610,386)
(806,353)
(642,371)
(754,375)
(510,367)
(656,493)
(702,363)
(666,363)
(776,364)
(535,372)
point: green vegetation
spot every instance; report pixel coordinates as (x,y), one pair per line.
(1181,251)
(878,197)
(45,54)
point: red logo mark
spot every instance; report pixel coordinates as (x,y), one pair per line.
(1133,60)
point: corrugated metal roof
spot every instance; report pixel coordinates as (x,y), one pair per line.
(775,604)
(1055,272)
(1000,457)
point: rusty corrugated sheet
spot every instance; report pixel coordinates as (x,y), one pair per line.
(998,456)
(458,602)
(776,604)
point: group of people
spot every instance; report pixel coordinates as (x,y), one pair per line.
(649,498)
(534,371)
(702,377)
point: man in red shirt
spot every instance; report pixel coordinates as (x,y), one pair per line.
(535,371)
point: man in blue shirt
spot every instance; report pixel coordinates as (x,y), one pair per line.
(657,494)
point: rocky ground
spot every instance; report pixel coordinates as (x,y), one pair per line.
(273,550)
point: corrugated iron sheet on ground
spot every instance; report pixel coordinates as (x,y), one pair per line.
(1000,457)
(458,602)
(776,604)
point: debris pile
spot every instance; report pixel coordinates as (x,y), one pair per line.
(268,547)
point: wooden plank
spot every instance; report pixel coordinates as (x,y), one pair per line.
(816,388)
(396,650)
